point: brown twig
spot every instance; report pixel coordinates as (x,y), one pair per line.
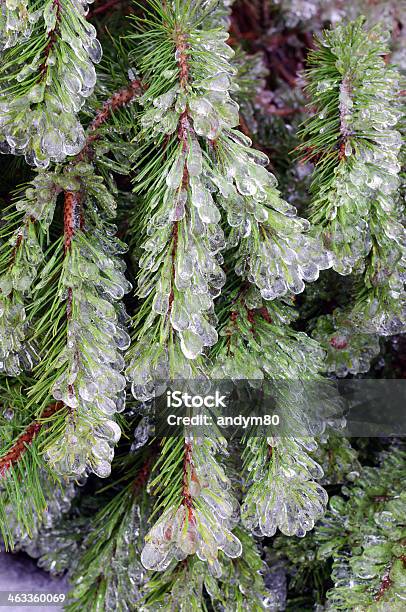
(173,257)
(121,98)
(283,71)
(144,471)
(52,36)
(26,439)
(386,582)
(184,129)
(70,216)
(187,499)
(71,222)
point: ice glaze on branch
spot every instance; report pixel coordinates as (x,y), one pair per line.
(89,367)
(48,73)
(345,105)
(119,99)
(356,149)
(22,236)
(37,205)
(257,343)
(182,134)
(187,525)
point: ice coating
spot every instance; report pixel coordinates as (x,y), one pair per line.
(212,174)
(349,350)
(201,524)
(91,384)
(38,116)
(356,206)
(284,494)
(37,204)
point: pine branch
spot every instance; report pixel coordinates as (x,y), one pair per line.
(195,504)
(259,346)
(24,235)
(238,585)
(368,566)
(20,446)
(118,100)
(355,145)
(91,328)
(47,69)
(79,184)
(21,269)
(190,144)
(27,487)
(109,569)
(189,140)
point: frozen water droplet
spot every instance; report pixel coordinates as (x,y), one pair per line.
(94,50)
(191,344)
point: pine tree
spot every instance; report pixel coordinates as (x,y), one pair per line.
(156,230)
